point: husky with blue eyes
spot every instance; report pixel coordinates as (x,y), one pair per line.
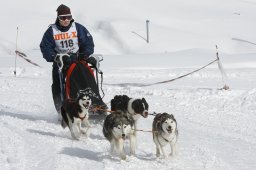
(117,127)
(165,132)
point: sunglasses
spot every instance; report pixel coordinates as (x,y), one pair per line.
(65,17)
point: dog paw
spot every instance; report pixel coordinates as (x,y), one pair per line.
(171,155)
(63,124)
(85,132)
(59,117)
(165,157)
(130,159)
(123,157)
(132,153)
(75,136)
(75,133)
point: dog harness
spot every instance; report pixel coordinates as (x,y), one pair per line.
(168,141)
(82,118)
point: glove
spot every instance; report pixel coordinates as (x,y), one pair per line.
(66,60)
(92,61)
(73,57)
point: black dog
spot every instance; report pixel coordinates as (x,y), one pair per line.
(133,106)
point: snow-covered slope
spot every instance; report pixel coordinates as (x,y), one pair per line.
(216,127)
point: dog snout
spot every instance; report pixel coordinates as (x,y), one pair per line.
(123,136)
(145,114)
(87,102)
(169,129)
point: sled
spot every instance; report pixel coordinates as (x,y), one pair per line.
(82,77)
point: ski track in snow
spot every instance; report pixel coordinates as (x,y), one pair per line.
(212,124)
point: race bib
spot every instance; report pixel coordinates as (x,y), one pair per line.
(66,42)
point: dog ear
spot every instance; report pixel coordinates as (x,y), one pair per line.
(144,100)
(159,121)
(145,103)
(163,117)
(157,117)
(77,95)
(173,118)
(110,119)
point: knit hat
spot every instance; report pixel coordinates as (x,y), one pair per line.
(63,10)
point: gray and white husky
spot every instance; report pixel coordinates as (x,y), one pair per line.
(165,132)
(117,127)
(75,115)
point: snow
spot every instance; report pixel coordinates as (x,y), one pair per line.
(216,126)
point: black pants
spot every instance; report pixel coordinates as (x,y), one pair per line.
(56,89)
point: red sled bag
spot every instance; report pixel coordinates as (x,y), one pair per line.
(80,79)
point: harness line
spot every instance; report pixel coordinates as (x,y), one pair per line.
(141,130)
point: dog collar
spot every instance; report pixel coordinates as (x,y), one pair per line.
(166,139)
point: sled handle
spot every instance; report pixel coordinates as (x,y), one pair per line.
(60,60)
(99,58)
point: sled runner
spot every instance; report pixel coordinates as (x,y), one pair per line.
(81,77)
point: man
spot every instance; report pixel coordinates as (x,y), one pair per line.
(65,37)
